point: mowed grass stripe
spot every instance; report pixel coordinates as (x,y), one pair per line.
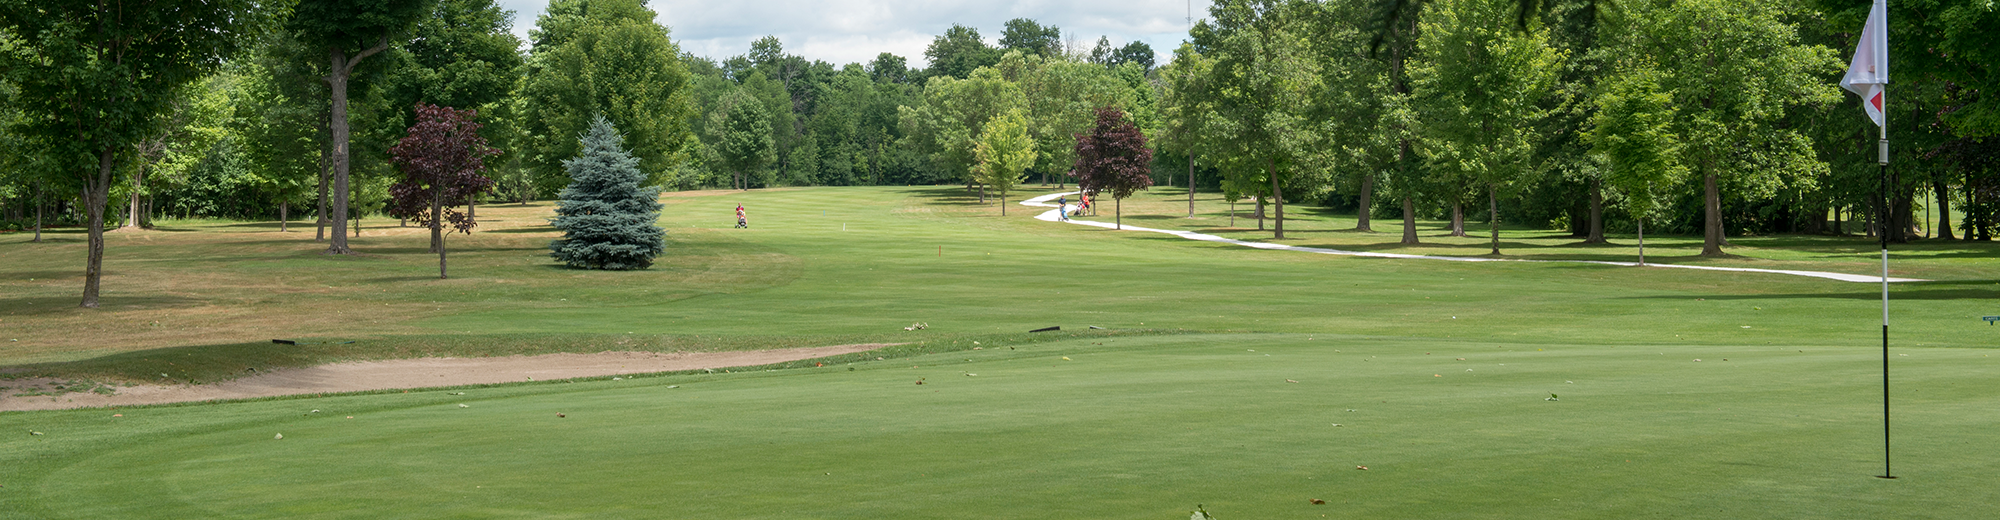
(1131,427)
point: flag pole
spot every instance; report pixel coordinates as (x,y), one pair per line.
(1883,162)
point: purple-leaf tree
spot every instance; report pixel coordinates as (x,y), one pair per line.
(1113,157)
(441,160)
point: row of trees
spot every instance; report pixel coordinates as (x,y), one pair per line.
(1694,115)
(768,118)
(1702,115)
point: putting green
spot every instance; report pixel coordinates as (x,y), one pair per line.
(1134,427)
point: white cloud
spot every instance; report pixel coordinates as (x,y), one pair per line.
(848,31)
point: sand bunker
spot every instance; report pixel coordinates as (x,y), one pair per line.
(417,373)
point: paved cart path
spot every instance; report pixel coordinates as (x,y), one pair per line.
(1050,216)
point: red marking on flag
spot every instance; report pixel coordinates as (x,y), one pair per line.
(1877,101)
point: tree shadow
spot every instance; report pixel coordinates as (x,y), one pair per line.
(952,195)
(524,230)
(294,226)
(52,274)
(1927,291)
(53,305)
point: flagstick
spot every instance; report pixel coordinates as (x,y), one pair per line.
(1886,212)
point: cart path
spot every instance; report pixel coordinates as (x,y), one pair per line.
(1051,216)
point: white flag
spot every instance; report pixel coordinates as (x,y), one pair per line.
(1869,72)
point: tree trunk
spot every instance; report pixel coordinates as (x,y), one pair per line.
(96,193)
(1367,204)
(1259,214)
(1493,215)
(338,127)
(284,216)
(1118,212)
(1943,209)
(1874,213)
(1642,241)
(132,202)
(1596,212)
(1190,185)
(1232,216)
(1277,198)
(437,230)
(1839,228)
(1457,219)
(336,79)
(325,163)
(1409,220)
(1003,203)
(39,187)
(1972,220)
(1711,239)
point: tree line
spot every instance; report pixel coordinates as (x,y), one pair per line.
(1594,116)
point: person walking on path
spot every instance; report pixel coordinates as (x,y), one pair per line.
(741,220)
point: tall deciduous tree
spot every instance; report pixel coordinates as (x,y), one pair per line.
(740,133)
(1060,97)
(608,215)
(95,76)
(1186,112)
(1114,157)
(461,55)
(1029,37)
(958,52)
(1632,134)
(1005,152)
(443,160)
(608,58)
(947,124)
(349,31)
(1265,78)
(1732,70)
(1477,87)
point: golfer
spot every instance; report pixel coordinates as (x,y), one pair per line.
(741,220)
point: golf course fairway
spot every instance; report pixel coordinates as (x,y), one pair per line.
(1249,383)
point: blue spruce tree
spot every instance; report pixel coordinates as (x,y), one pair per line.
(606,215)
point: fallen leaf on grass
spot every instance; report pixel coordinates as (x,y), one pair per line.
(1318,502)
(1290,381)
(1361,467)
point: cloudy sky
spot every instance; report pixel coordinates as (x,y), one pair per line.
(848,31)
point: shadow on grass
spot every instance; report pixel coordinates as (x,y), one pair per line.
(53,305)
(948,195)
(448,249)
(293,227)
(523,230)
(52,275)
(1929,291)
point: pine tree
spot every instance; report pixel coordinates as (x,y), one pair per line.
(606,215)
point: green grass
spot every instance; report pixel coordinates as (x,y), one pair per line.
(1130,427)
(1169,409)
